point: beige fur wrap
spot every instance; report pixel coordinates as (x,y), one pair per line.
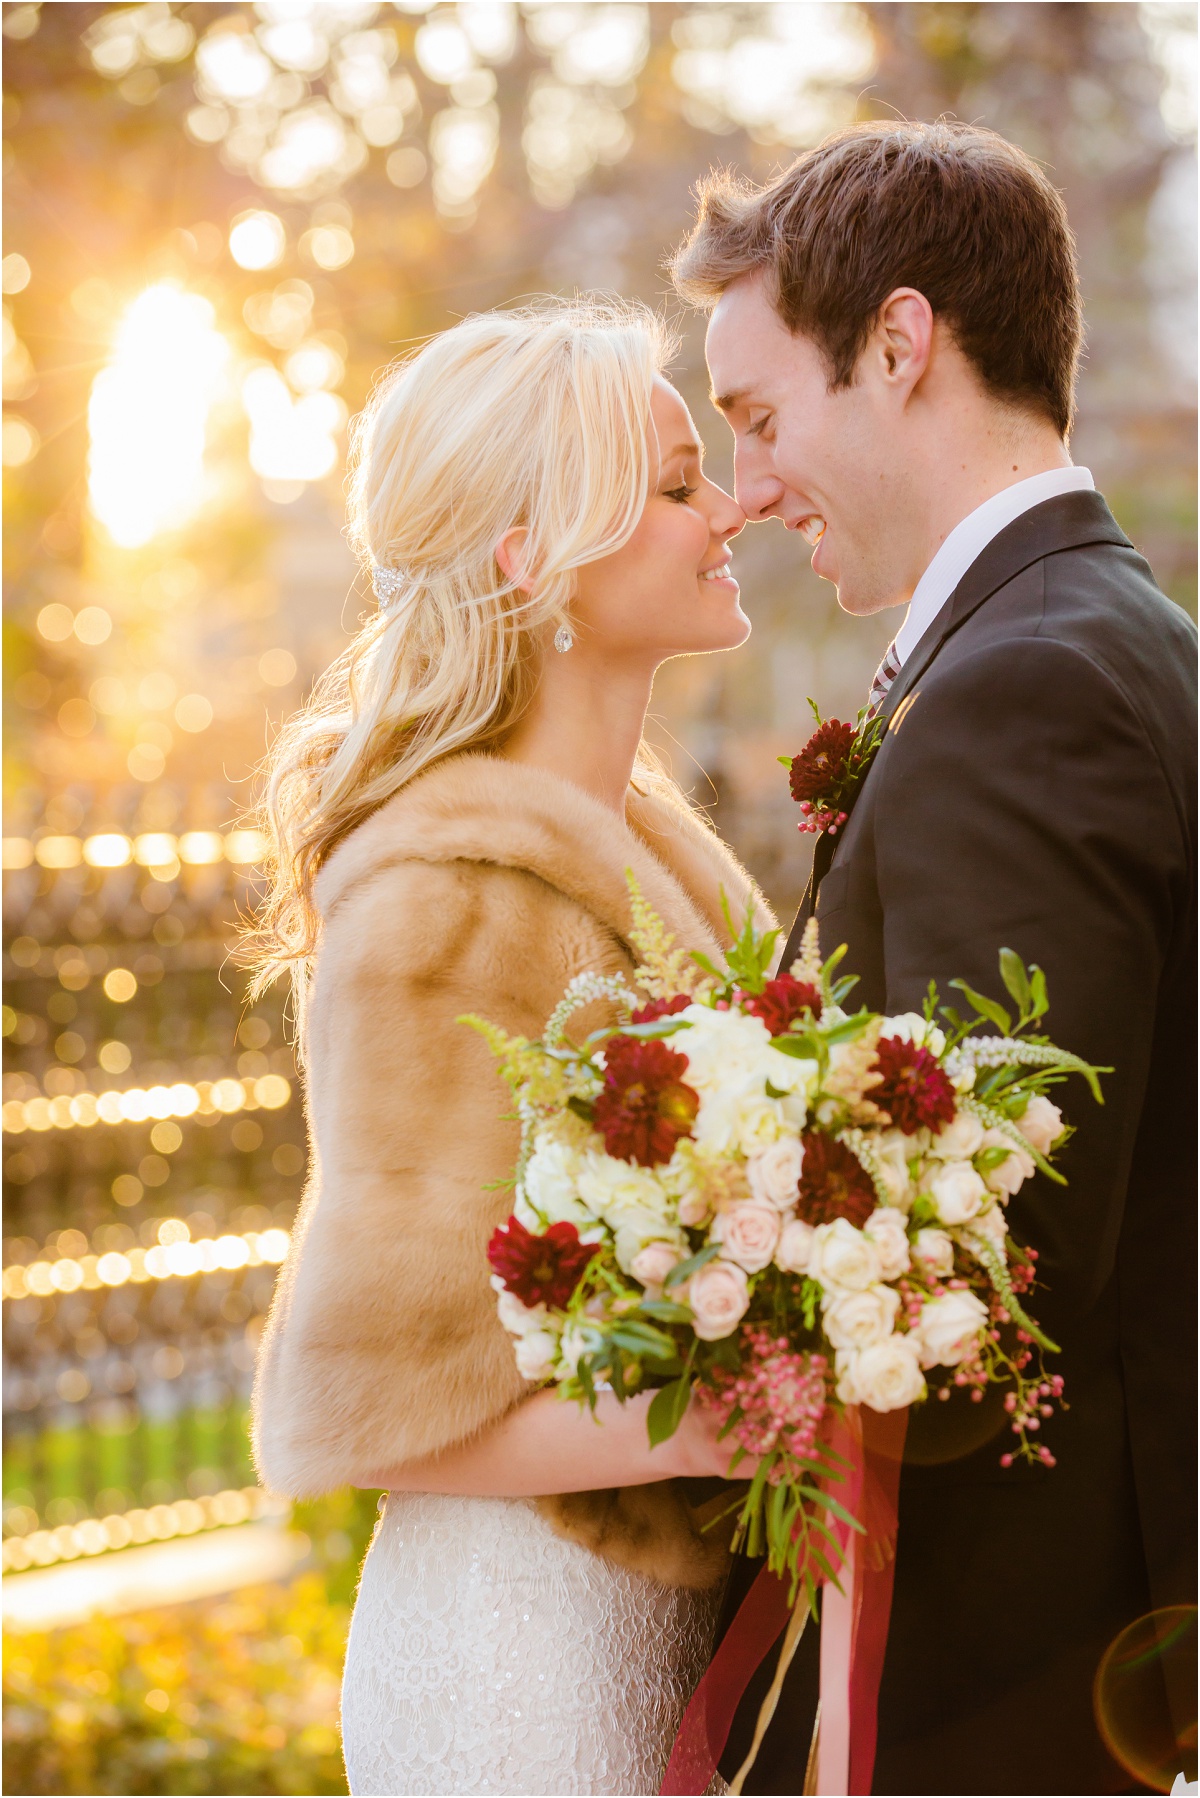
(483,886)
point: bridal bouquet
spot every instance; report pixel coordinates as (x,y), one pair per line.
(746,1193)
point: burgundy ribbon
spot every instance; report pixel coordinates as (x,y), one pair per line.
(853,1635)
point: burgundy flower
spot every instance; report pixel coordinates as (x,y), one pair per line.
(833,1182)
(823,763)
(540,1270)
(914,1091)
(644,1107)
(660,1008)
(781,1002)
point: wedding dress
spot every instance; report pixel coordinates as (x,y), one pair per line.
(489,1655)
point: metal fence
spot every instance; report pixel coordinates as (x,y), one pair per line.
(153,1159)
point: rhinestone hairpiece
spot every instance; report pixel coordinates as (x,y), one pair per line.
(388,583)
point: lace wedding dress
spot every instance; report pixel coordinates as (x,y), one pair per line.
(488,1655)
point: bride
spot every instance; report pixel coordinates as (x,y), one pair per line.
(453,815)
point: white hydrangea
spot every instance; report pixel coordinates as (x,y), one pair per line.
(731,1064)
(550,1184)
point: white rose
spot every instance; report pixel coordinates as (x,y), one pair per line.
(519,1319)
(794,1247)
(774,1173)
(747,1232)
(911,1027)
(886,1377)
(1042,1123)
(959,1140)
(535,1355)
(719,1295)
(892,1150)
(957,1192)
(887,1231)
(991,1225)
(1009,1175)
(949,1327)
(936,1250)
(652,1264)
(758,1122)
(843,1256)
(856,1319)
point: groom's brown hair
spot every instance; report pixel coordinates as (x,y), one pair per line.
(953,210)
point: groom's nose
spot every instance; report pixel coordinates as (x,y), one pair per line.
(757,488)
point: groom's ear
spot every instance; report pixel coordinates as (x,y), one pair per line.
(902,340)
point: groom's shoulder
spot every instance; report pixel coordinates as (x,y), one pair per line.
(1094,611)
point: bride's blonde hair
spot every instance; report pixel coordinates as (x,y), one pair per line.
(537,418)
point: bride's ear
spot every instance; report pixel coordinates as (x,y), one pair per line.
(512,555)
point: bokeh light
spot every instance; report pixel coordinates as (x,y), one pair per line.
(149,413)
(257,240)
(1145,1697)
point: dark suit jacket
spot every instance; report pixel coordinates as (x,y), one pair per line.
(1035,790)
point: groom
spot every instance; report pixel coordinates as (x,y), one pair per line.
(894,338)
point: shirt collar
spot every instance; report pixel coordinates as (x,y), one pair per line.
(968,540)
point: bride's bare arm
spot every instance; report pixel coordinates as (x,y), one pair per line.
(548,1446)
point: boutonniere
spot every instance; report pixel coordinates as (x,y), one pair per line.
(826,775)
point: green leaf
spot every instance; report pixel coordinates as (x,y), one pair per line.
(1016,980)
(785,761)
(666,1311)
(703,962)
(923,1211)
(583,1108)
(849,1031)
(829,1503)
(643,1339)
(987,1008)
(684,1270)
(1040,1000)
(666,1410)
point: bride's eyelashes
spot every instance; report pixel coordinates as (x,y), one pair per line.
(681,495)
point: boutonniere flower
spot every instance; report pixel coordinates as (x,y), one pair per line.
(826,775)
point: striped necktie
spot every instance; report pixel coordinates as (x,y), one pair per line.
(885,674)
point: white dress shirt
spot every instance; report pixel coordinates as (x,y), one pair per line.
(968,540)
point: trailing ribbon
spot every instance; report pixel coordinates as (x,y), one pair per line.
(854,1628)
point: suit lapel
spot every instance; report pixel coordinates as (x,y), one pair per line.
(1071,521)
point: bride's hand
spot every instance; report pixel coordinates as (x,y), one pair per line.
(698,1452)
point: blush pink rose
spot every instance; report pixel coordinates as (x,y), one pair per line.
(719,1295)
(747,1233)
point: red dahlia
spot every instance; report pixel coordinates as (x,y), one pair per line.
(781,1002)
(914,1091)
(644,1107)
(833,1182)
(823,763)
(660,1008)
(540,1270)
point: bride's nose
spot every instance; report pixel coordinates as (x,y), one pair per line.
(726,518)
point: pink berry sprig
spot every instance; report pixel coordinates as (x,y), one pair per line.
(817,819)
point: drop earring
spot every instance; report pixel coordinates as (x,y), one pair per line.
(563,640)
